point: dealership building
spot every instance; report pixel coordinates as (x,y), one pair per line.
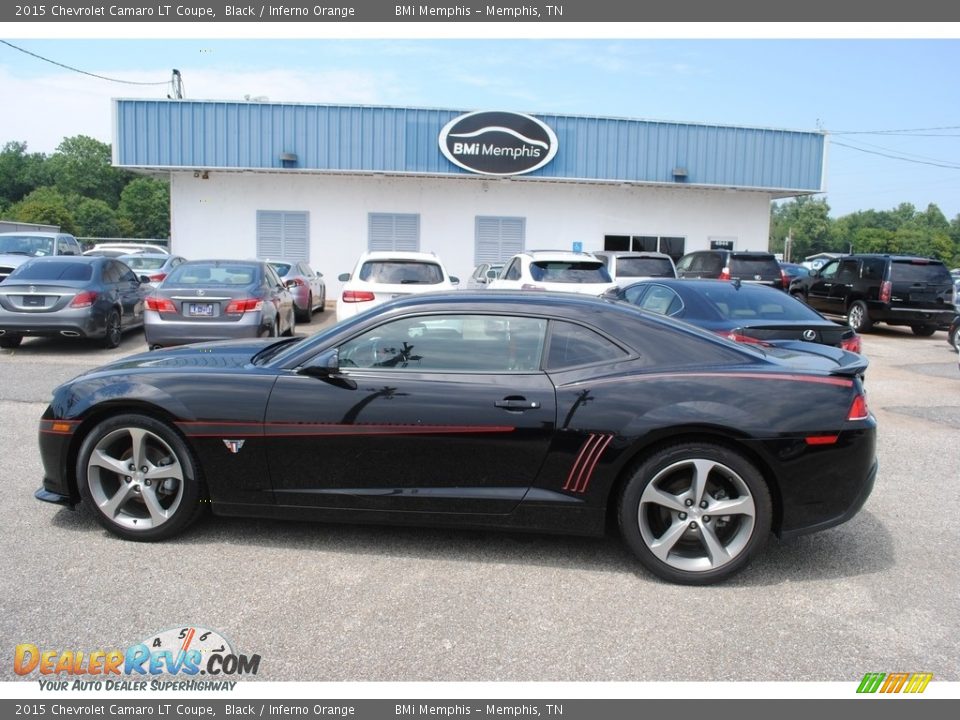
(327,182)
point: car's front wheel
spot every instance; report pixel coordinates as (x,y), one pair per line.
(113,334)
(694,513)
(306,315)
(923,330)
(858,317)
(139,477)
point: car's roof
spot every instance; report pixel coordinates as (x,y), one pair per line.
(152,256)
(695,285)
(88,259)
(632,253)
(32,233)
(558,255)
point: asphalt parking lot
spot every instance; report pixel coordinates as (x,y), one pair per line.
(338,603)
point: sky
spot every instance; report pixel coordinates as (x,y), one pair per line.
(864,92)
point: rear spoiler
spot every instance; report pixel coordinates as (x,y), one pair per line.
(847,364)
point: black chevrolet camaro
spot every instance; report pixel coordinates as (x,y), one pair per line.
(522,411)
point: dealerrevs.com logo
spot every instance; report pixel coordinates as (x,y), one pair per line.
(188,652)
(892,683)
(498,143)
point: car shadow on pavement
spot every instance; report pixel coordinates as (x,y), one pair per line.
(863,546)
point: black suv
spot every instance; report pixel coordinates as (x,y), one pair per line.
(760,268)
(894,289)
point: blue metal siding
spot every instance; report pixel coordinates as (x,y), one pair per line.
(210,135)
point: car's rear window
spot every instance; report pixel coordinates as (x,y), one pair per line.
(745,303)
(919,271)
(707,262)
(54,271)
(212,274)
(644,267)
(281,268)
(583,271)
(135,262)
(401,272)
(748,266)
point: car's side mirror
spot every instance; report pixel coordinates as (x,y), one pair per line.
(290,284)
(491,275)
(454,280)
(144,280)
(326,367)
(343,277)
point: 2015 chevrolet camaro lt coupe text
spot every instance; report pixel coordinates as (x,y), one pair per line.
(522,411)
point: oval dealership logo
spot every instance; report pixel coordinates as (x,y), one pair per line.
(498,143)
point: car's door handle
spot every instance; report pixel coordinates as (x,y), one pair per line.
(517,403)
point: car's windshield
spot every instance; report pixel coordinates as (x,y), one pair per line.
(53,270)
(566,271)
(200,273)
(745,303)
(401,272)
(32,245)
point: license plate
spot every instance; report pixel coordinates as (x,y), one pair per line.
(34,301)
(200,310)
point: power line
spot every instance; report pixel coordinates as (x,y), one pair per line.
(82,72)
(896,157)
(893,132)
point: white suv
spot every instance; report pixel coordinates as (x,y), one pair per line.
(557,270)
(384,275)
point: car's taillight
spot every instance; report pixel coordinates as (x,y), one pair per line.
(531,286)
(244,305)
(738,336)
(725,273)
(784,279)
(858,410)
(84,299)
(296,282)
(886,290)
(160,305)
(158,277)
(352,296)
(852,344)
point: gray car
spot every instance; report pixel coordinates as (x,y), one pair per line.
(18,247)
(307,286)
(71,296)
(202,300)
(155,266)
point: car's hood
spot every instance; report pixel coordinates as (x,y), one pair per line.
(13,260)
(221,355)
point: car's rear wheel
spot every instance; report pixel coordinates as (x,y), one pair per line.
(139,477)
(323,301)
(858,317)
(953,337)
(10,341)
(306,314)
(113,334)
(292,327)
(923,330)
(694,513)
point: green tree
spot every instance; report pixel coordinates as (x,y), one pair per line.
(45,206)
(95,219)
(20,172)
(807,221)
(81,166)
(145,205)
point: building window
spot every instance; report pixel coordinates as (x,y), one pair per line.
(393,231)
(282,234)
(498,238)
(669,245)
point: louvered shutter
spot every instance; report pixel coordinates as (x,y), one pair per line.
(394,231)
(283,235)
(498,238)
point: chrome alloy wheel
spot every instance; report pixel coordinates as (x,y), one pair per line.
(135,478)
(696,515)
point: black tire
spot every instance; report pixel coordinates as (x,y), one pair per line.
(953,337)
(306,315)
(923,330)
(858,317)
(799,295)
(323,302)
(9,342)
(673,538)
(113,334)
(152,505)
(292,327)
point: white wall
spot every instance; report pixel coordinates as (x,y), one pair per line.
(217,217)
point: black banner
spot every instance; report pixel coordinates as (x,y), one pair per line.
(496,11)
(313,709)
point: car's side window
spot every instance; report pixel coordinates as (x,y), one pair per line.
(830,269)
(513,273)
(634,294)
(661,300)
(449,343)
(573,345)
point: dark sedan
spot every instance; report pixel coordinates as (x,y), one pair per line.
(524,411)
(71,296)
(203,300)
(740,312)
